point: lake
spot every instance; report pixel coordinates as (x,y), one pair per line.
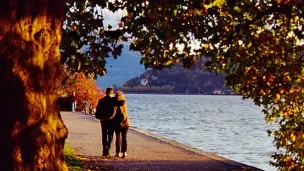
(225,125)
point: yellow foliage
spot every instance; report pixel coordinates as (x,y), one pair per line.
(277,98)
(218,3)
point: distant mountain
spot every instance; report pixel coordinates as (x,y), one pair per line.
(121,69)
(177,80)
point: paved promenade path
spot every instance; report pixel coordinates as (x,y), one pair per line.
(146,151)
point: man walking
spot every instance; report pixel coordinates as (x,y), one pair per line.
(105,112)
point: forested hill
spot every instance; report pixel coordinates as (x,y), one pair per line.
(177,80)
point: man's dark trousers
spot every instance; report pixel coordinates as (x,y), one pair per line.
(107,137)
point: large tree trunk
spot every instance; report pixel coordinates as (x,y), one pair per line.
(32,133)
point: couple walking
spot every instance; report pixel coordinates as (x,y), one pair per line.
(113,116)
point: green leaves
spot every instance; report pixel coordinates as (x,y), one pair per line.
(236,9)
(86,42)
(256,43)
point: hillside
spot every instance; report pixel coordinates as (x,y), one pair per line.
(177,80)
(121,69)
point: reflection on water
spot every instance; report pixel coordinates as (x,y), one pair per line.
(225,125)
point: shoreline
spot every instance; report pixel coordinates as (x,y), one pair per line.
(190,149)
(146,150)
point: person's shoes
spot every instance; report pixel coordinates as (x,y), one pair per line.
(106,155)
(117,155)
(124,155)
(105,152)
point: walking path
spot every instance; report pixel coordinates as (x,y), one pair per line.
(146,151)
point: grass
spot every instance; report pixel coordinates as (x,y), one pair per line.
(74,164)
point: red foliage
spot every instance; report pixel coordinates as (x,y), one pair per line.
(86,89)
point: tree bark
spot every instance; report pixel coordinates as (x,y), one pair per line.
(32,133)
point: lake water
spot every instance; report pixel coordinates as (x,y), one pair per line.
(225,125)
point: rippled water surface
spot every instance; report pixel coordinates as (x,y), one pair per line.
(224,125)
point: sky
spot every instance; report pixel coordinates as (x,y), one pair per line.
(111,18)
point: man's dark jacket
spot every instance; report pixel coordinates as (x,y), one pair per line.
(106,108)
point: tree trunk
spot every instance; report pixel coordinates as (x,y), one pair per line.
(32,133)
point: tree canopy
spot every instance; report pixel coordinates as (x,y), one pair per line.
(258,44)
(86,43)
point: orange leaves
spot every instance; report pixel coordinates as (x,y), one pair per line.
(86,89)
(287,77)
(276,98)
(288,1)
(284,112)
(74,27)
(263,92)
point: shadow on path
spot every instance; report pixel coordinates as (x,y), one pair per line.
(97,163)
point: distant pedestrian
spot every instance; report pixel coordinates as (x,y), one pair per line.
(105,111)
(74,102)
(87,107)
(121,126)
(92,110)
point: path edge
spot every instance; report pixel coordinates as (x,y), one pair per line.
(192,150)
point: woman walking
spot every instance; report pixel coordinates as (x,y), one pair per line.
(121,126)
